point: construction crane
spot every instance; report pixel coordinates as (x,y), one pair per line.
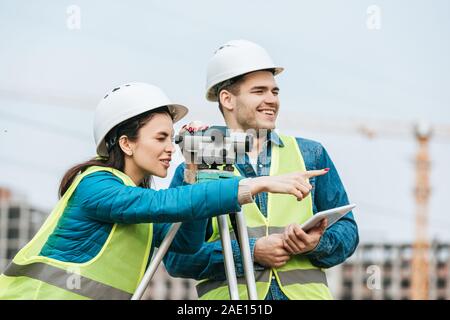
(421,247)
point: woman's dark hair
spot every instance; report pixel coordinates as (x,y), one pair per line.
(116,158)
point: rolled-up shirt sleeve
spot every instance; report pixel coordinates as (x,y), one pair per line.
(341,239)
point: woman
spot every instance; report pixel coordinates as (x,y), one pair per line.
(97,241)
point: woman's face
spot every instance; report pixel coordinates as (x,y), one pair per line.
(152,151)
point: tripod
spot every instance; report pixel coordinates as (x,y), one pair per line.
(204,174)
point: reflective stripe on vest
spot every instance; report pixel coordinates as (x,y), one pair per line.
(114,273)
(298,279)
(61,278)
(286,277)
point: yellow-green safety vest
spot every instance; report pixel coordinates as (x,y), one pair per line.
(298,278)
(114,273)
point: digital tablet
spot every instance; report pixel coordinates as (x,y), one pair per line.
(333,215)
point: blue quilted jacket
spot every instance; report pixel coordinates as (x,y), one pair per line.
(101,200)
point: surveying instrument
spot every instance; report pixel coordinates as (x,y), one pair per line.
(215,151)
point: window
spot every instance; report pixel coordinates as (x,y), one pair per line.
(405,283)
(13,233)
(348,284)
(14,213)
(441,283)
(10,253)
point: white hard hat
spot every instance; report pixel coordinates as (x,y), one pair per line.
(125,102)
(235,58)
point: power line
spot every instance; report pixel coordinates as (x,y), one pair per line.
(387,129)
(84,103)
(380,210)
(371,129)
(52,171)
(42,126)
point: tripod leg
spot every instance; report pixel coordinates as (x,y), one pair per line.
(159,255)
(228,257)
(246,256)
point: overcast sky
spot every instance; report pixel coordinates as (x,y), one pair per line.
(385,66)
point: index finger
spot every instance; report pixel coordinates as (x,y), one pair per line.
(299,233)
(316,173)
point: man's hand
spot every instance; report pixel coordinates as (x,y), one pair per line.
(297,241)
(270,251)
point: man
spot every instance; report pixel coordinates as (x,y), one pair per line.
(288,262)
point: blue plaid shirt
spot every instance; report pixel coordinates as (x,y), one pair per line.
(335,246)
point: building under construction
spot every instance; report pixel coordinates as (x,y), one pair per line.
(18,224)
(384,271)
(374,272)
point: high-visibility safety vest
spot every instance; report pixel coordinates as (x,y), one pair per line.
(114,273)
(298,278)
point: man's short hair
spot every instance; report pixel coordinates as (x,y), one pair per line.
(233,85)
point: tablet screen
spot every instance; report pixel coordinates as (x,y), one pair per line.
(332,215)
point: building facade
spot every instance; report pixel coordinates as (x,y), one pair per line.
(18,223)
(383,271)
(374,272)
